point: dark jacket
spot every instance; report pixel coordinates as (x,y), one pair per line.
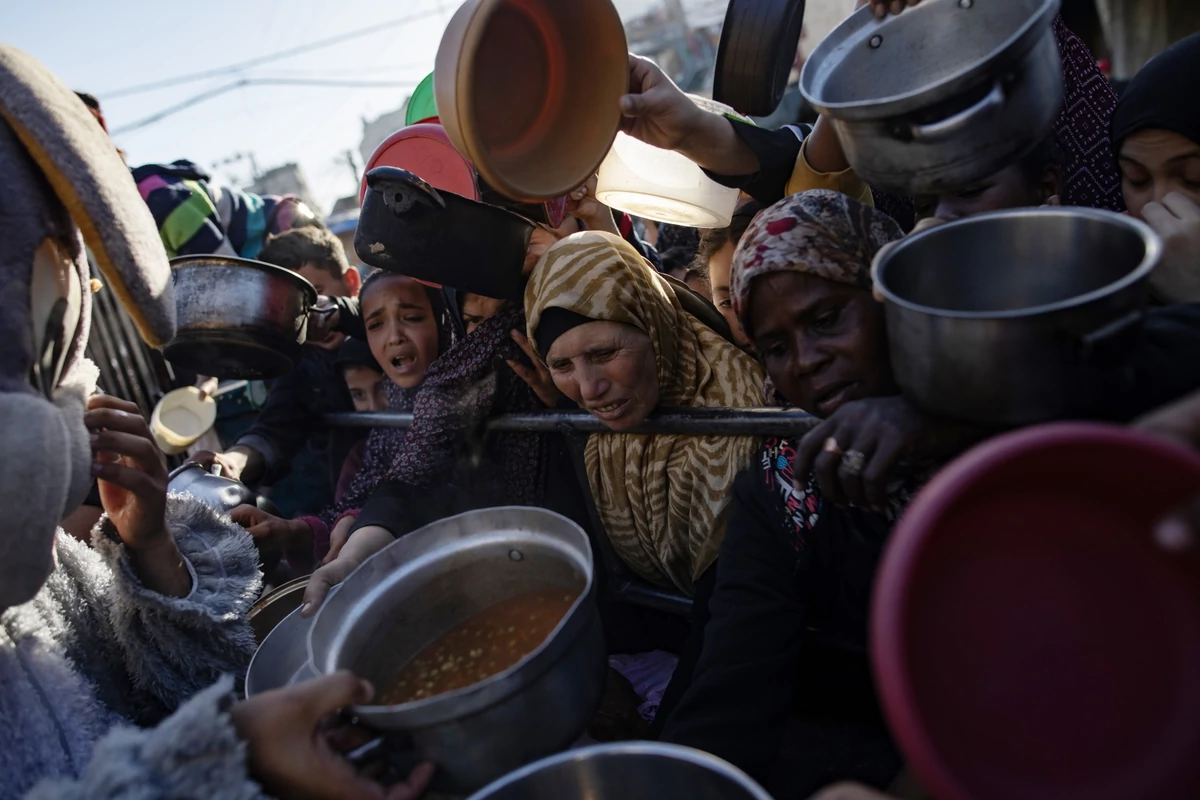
(784,650)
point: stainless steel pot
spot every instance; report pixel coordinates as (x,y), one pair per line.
(626,771)
(273,608)
(237,318)
(429,581)
(1012,317)
(282,656)
(223,494)
(941,95)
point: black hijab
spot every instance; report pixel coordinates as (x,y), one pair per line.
(1162,95)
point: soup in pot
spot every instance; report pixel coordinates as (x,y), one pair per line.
(489,642)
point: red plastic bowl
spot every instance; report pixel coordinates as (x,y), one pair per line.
(425,150)
(1030,639)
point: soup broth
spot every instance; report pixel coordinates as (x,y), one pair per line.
(489,642)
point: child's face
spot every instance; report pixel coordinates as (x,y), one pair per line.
(476,309)
(326,284)
(366,387)
(401,328)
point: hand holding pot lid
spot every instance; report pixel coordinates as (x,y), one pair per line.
(921,119)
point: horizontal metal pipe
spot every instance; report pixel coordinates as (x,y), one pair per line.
(677,421)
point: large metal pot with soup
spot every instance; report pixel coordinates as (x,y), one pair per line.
(1017,317)
(940,95)
(482,637)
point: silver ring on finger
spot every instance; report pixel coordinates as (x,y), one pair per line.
(853,461)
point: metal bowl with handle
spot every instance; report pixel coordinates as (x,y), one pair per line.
(1011,317)
(429,581)
(237,318)
(626,771)
(941,95)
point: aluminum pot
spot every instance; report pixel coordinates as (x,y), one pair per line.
(237,318)
(626,771)
(274,607)
(1016,317)
(282,656)
(941,95)
(431,580)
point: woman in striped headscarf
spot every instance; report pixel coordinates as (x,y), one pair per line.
(618,343)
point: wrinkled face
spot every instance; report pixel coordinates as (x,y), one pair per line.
(401,328)
(476,309)
(823,343)
(1008,188)
(718,275)
(1155,163)
(608,369)
(366,387)
(328,285)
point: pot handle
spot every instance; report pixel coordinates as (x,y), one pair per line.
(1110,331)
(952,125)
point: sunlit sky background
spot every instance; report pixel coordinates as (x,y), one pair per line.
(104,46)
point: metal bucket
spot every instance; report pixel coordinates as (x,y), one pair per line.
(433,579)
(1014,317)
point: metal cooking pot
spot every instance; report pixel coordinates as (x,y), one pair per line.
(282,656)
(1014,317)
(272,608)
(408,226)
(237,318)
(626,771)
(223,494)
(942,95)
(431,580)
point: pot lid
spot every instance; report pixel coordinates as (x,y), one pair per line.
(1030,638)
(869,68)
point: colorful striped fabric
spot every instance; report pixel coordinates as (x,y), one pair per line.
(196,218)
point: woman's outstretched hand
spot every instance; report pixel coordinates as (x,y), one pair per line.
(856,451)
(536,375)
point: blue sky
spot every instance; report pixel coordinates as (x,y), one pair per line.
(104,45)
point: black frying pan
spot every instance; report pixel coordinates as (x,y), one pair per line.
(757,50)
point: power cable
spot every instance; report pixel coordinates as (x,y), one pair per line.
(264,59)
(242,82)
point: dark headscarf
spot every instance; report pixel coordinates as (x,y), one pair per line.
(1162,95)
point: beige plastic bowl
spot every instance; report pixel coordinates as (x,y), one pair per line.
(181,417)
(528,90)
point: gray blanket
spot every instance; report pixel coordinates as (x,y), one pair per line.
(95,659)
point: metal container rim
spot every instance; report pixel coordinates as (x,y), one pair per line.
(1150,259)
(273,270)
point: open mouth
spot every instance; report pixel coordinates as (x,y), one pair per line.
(610,411)
(402,363)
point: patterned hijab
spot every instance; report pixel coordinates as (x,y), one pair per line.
(467,383)
(821,232)
(663,500)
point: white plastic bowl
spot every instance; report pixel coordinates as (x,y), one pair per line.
(663,185)
(181,417)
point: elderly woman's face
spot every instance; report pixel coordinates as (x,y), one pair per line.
(823,343)
(1155,163)
(608,369)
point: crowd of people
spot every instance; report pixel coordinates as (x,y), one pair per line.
(117,652)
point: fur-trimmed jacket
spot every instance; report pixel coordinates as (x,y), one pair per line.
(95,659)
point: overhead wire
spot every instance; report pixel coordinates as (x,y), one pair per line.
(230,69)
(242,82)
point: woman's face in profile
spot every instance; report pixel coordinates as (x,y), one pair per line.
(608,369)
